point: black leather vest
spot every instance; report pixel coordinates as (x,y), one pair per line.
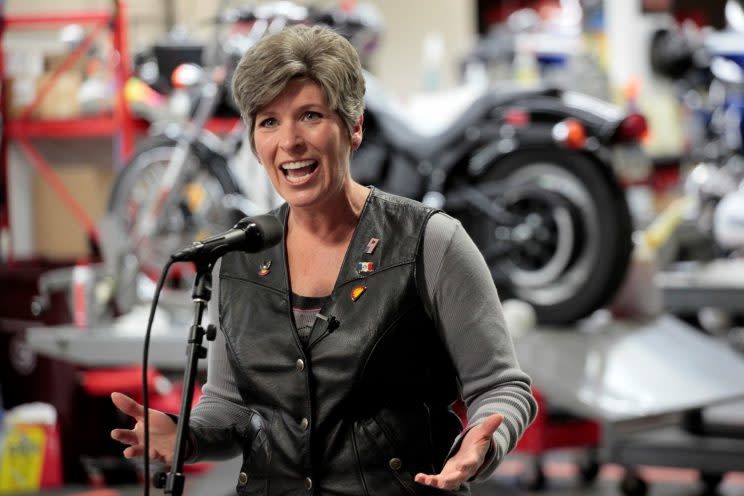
(362,408)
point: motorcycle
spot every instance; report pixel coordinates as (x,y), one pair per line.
(534,176)
(187,180)
(709,70)
(530,174)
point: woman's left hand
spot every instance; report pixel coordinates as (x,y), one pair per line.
(468,460)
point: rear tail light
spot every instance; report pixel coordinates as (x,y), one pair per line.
(570,133)
(517,117)
(631,129)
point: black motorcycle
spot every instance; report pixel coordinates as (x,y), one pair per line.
(533,175)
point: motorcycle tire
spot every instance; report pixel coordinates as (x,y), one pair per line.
(195,213)
(583,250)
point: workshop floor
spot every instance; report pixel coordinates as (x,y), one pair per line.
(562,480)
(559,467)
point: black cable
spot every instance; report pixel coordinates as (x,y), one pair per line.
(145,392)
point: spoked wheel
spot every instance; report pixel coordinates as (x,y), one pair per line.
(194,211)
(569,246)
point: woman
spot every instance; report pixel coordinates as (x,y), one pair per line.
(342,349)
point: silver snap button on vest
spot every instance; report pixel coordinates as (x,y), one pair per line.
(308,483)
(395,464)
(304,423)
(243,479)
(300,365)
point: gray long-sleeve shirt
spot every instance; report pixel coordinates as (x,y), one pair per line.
(462,301)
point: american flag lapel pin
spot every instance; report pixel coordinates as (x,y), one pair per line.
(365,267)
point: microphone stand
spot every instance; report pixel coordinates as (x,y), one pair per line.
(173,481)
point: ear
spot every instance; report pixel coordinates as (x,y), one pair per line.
(356,133)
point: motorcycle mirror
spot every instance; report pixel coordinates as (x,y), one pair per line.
(727,71)
(523,21)
(186,76)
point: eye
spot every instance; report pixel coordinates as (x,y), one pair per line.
(311,115)
(268,122)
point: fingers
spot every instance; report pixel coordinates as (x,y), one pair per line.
(134,451)
(134,437)
(454,473)
(449,482)
(138,450)
(128,405)
(468,460)
(129,437)
(125,436)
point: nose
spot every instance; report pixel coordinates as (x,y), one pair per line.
(291,138)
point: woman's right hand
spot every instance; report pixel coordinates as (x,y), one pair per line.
(162,431)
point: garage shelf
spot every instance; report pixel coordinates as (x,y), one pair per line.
(117,124)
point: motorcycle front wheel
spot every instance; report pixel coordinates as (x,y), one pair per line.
(569,248)
(193,211)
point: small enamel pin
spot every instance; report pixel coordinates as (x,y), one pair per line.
(365,267)
(357,292)
(264,268)
(371,245)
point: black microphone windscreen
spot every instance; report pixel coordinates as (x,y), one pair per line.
(270,228)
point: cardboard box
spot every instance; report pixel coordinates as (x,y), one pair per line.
(58,235)
(61,101)
(29,70)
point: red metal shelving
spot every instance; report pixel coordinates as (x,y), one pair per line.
(63,128)
(117,124)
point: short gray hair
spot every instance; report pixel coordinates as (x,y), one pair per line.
(315,53)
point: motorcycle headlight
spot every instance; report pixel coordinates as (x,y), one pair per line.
(186,76)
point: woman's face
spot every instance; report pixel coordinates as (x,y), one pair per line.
(304,145)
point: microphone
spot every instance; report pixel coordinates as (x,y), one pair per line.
(250,234)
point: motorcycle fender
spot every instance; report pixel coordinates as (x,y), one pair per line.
(482,160)
(490,155)
(530,137)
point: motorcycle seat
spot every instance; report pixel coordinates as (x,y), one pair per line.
(402,137)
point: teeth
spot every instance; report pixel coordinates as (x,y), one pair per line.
(299,171)
(299,179)
(297,165)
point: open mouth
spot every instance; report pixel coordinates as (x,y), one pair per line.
(297,172)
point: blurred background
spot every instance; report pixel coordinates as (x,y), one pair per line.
(591,148)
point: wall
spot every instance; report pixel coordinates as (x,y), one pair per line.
(399,61)
(629,34)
